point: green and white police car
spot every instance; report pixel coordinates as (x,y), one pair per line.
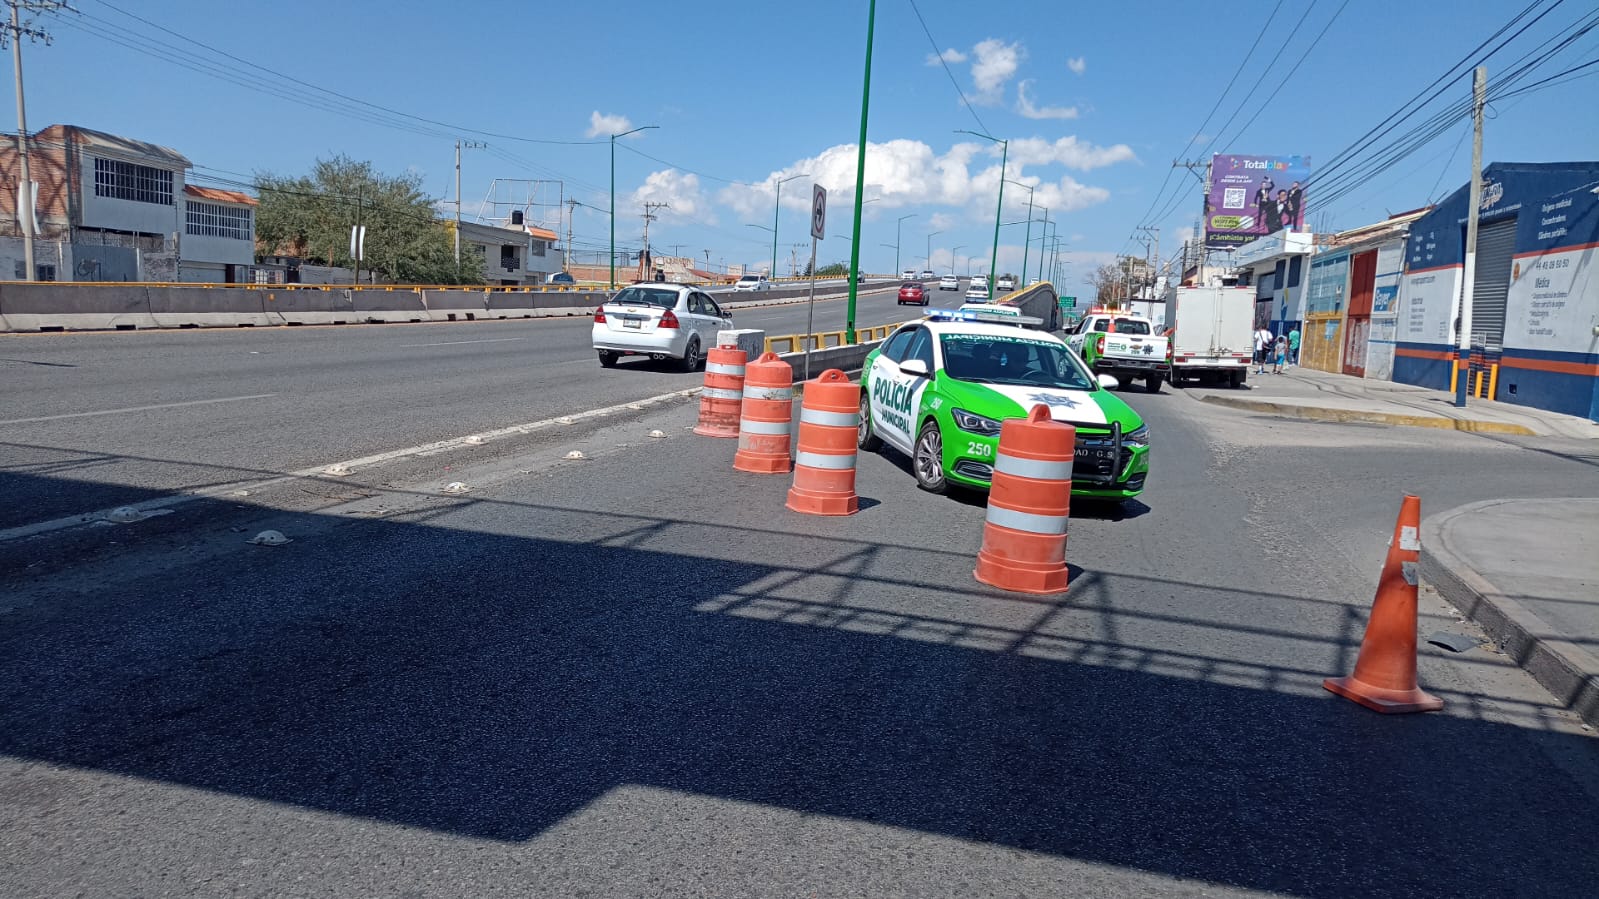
(938,389)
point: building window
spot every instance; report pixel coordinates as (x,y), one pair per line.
(118,180)
(1295,269)
(536,247)
(47,273)
(213,220)
(508,260)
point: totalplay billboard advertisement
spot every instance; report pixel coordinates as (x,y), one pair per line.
(1252,196)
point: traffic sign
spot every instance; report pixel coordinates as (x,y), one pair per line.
(818,211)
(1068,302)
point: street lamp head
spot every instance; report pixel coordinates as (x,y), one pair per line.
(634,131)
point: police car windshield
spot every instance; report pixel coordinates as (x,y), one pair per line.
(647,296)
(1015,361)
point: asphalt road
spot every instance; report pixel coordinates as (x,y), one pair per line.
(127,416)
(639,675)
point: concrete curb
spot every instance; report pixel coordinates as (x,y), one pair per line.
(1564,668)
(1322,413)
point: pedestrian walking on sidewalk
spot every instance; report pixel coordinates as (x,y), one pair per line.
(1279,355)
(1262,345)
(1293,346)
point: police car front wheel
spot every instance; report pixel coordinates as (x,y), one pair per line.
(928,460)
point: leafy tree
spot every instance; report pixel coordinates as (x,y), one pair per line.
(833,270)
(310,216)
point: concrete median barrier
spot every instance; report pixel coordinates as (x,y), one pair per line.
(66,307)
(217,307)
(294,306)
(389,305)
(455,304)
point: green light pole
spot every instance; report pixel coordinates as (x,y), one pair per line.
(1004,157)
(778,207)
(897,225)
(952,258)
(1027,243)
(930,237)
(613,195)
(860,172)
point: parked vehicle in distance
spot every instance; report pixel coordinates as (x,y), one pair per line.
(1213,333)
(949,282)
(661,321)
(976,291)
(1006,282)
(560,278)
(912,292)
(752,282)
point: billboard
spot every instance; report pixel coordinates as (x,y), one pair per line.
(1253,196)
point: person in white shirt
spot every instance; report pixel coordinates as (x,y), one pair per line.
(1262,347)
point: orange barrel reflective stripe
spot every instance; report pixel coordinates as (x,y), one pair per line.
(722,394)
(767,416)
(1029,505)
(824,465)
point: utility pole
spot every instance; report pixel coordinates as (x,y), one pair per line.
(571,214)
(649,216)
(15,32)
(1149,233)
(1479,94)
(470,145)
(358,244)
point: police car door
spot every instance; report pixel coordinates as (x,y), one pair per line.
(887,391)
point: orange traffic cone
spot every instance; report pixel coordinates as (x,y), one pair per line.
(767,416)
(1024,534)
(824,466)
(723,392)
(1385,672)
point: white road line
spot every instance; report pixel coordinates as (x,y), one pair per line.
(220,399)
(404,346)
(315,471)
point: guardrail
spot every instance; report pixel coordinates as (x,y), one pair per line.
(799,343)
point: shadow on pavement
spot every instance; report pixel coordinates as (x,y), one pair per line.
(488,684)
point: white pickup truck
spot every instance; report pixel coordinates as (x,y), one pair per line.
(1122,345)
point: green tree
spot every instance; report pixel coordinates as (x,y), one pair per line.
(310,216)
(835,270)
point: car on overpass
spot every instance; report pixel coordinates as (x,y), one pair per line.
(908,275)
(938,389)
(927,274)
(560,278)
(977,291)
(661,321)
(912,292)
(752,282)
(1006,282)
(949,282)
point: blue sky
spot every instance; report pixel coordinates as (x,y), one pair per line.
(1097,100)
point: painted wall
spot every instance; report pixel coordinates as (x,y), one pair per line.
(1321,340)
(1385,311)
(129,215)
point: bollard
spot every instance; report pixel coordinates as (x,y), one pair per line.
(767,416)
(1029,502)
(723,393)
(824,466)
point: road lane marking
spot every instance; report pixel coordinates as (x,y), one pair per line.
(405,346)
(220,399)
(316,471)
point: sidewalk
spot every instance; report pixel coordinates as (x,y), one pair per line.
(1305,393)
(1524,570)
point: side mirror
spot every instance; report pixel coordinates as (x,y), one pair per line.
(1109,382)
(914,367)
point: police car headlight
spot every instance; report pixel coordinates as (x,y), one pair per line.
(1138,437)
(977,424)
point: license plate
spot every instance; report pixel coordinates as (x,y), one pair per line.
(1096,455)
(632,323)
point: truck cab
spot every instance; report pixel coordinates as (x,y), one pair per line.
(1123,345)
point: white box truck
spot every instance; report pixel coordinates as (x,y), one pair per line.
(1213,333)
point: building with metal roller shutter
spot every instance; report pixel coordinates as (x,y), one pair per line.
(1535,294)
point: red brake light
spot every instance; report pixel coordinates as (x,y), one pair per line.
(1099,344)
(599,316)
(668,319)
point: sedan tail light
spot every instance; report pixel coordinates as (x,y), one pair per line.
(599,316)
(668,319)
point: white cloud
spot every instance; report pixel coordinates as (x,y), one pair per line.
(601,125)
(995,63)
(1077,64)
(941,221)
(1068,151)
(1024,105)
(911,173)
(951,55)
(680,190)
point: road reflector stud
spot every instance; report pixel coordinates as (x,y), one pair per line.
(824,466)
(658,434)
(1384,679)
(472,440)
(456,488)
(270,538)
(337,471)
(723,393)
(1029,506)
(766,417)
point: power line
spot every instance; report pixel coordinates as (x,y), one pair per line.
(1285,79)
(939,54)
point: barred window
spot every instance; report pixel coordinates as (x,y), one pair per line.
(212,220)
(120,180)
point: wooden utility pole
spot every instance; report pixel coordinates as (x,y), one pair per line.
(1479,90)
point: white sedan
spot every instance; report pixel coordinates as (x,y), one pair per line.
(977,291)
(1006,282)
(752,282)
(949,282)
(661,321)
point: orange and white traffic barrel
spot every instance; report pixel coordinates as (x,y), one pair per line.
(824,464)
(722,394)
(766,418)
(1029,504)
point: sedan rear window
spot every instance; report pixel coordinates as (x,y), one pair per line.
(647,296)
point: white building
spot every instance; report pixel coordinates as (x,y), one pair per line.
(518,255)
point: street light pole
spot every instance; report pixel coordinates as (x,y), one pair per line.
(1004,158)
(897,225)
(930,247)
(860,172)
(1027,243)
(952,258)
(1043,238)
(613,195)
(778,207)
